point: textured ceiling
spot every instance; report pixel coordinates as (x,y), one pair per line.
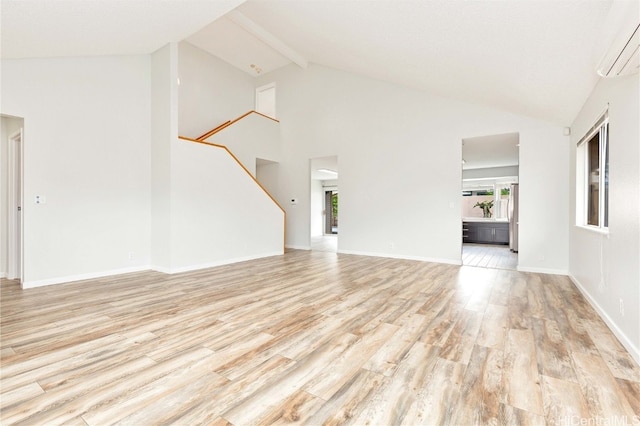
(531,57)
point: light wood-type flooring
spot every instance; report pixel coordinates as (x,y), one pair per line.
(313,338)
(489,256)
(327,243)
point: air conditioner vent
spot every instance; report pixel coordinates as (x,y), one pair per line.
(623,58)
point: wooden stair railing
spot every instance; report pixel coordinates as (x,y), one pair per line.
(229,123)
(215,130)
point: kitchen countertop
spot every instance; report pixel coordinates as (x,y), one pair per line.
(484,219)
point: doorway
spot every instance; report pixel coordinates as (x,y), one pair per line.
(331,212)
(266,100)
(490,190)
(324,204)
(12,197)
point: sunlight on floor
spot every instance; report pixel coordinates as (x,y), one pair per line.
(489,256)
(328,243)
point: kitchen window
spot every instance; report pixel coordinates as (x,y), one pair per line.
(592,204)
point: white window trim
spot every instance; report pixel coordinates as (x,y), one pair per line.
(582,199)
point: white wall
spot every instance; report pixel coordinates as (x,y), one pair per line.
(490,172)
(317,208)
(164,130)
(607,267)
(86,149)
(219,214)
(252,137)
(211,91)
(400,171)
(268,176)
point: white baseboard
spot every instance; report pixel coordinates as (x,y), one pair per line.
(161,269)
(81,277)
(400,256)
(213,264)
(102,274)
(3,275)
(298,247)
(626,342)
(543,270)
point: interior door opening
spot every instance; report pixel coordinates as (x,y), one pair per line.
(266,99)
(331,212)
(324,204)
(490,201)
(12,197)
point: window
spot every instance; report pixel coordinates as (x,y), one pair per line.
(593,176)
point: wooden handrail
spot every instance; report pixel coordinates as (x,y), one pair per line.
(215,130)
(229,123)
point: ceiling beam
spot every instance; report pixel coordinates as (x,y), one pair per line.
(266,37)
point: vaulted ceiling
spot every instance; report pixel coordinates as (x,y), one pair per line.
(531,57)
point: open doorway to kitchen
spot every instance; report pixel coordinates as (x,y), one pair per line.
(490,198)
(324,204)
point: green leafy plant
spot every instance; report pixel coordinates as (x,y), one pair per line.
(486,207)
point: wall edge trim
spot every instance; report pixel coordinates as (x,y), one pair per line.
(82,277)
(626,342)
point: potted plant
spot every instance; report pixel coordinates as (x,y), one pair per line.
(486,207)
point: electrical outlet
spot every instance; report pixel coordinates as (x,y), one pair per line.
(130,255)
(392,246)
(621,307)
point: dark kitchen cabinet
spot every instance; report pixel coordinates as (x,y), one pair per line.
(485,232)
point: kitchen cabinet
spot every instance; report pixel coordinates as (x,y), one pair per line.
(485,232)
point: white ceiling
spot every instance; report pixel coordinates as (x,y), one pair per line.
(48,28)
(532,57)
(324,163)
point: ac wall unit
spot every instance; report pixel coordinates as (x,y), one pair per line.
(623,56)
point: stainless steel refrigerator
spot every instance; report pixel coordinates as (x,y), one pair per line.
(513,213)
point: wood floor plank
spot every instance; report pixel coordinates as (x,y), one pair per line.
(495,324)
(391,404)
(350,400)
(434,402)
(311,338)
(632,391)
(386,359)
(295,410)
(604,397)
(460,343)
(140,400)
(521,380)
(480,392)
(345,366)
(563,401)
(20,394)
(260,404)
(207,404)
(514,416)
(552,354)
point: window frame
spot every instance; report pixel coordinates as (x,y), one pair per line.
(600,128)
